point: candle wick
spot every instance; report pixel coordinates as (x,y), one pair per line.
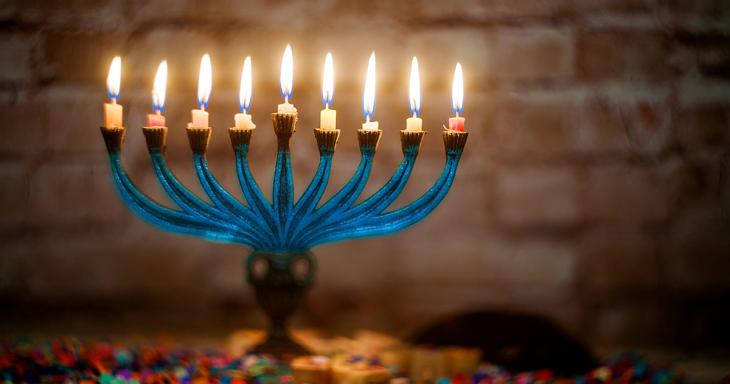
(367,118)
(286,99)
(457,113)
(415,114)
(114,100)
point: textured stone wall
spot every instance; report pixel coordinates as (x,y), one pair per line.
(595,189)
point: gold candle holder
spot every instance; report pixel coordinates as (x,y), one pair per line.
(284,126)
(113,137)
(454,140)
(326,139)
(199,139)
(411,140)
(369,139)
(156,138)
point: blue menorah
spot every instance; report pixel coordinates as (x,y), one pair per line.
(281,231)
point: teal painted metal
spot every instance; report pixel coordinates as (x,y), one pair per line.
(283,225)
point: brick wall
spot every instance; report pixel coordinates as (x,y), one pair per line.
(595,189)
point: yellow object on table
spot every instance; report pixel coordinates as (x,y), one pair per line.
(356,369)
(428,364)
(311,370)
(463,360)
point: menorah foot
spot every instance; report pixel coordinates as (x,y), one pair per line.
(280,282)
(280,344)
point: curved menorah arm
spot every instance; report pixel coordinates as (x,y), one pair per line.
(240,140)
(183,197)
(381,199)
(283,188)
(368,141)
(162,217)
(199,139)
(385,196)
(326,142)
(390,222)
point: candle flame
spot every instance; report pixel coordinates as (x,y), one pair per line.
(205,81)
(113,79)
(457,91)
(368,98)
(244,95)
(328,81)
(414,91)
(287,73)
(160,88)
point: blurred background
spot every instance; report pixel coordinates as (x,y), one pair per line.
(594,190)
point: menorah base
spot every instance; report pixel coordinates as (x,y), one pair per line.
(280,282)
(280,345)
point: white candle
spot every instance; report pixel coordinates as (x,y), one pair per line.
(286,80)
(414,123)
(158,97)
(200,119)
(368,98)
(456,123)
(112,110)
(205,77)
(328,117)
(243,119)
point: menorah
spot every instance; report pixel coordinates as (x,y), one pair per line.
(281,231)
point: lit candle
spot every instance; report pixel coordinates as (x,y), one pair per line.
(205,78)
(286,80)
(368,98)
(243,119)
(414,123)
(456,123)
(328,117)
(113,111)
(158,97)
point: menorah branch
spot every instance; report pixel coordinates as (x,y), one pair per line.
(376,224)
(326,142)
(368,141)
(380,200)
(283,188)
(156,214)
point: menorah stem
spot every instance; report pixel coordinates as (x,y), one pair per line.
(283,188)
(280,283)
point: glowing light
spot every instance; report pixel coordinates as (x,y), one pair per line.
(287,73)
(160,88)
(414,90)
(244,95)
(114,78)
(328,81)
(205,81)
(457,91)
(368,99)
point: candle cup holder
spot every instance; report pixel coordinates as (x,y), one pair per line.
(281,232)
